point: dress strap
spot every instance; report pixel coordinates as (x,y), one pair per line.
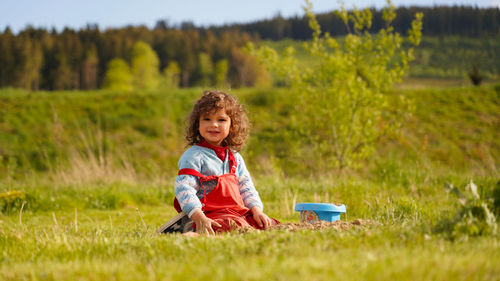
(195,173)
(232,162)
(191,172)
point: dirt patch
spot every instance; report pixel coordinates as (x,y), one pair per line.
(319,225)
(293,227)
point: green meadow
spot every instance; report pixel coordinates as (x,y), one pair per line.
(87,177)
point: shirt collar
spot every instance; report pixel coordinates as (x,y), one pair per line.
(220,151)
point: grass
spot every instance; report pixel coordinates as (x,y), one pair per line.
(73,240)
(115,245)
(96,178)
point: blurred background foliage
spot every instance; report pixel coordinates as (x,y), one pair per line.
(186,55)
(115,135)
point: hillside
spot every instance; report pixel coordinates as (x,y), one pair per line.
(144,131)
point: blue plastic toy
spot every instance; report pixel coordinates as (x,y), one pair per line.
(311,212)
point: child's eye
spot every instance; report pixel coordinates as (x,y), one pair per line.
(222,120)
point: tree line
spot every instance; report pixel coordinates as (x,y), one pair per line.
(37,58)
(186,55)
(438,21)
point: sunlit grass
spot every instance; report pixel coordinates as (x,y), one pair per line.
(103,245)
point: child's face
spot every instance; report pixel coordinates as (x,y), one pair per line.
(215,127)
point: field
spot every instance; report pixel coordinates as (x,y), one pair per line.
(87,177)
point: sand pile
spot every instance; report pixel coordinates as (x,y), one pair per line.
(338,225)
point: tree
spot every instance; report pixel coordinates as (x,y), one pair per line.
(475,76)
(29,63)
(89,69)
(250,71)
(206,69)
(7,58)
(171,75)
(59,74)
(344,102)
(118,76)
(187,56)
(72,50)
(145,67)
(35,66)
(221,69)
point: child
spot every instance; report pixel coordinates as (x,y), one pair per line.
(213,186)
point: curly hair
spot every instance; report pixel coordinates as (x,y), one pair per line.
(213,101)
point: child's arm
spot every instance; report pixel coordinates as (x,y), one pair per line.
(187,186)
(248,192)
(250,196)
(185,192)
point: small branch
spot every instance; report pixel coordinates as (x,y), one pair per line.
(110,222)
(287,205)
(76,220)
(21,213)
(55,219)
(347,27)
(140,215)
(294,200)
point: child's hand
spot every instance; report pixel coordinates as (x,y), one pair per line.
(203,224)
(262,219)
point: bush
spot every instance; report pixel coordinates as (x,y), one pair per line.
(343,106)
(475,76)
(11,201)
(473,217)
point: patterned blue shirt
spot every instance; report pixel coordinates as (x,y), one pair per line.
(188,190)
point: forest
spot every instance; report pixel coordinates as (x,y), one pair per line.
(185,55)
(439,21)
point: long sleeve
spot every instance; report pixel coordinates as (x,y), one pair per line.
(185,192)
(248,192)
(187,186)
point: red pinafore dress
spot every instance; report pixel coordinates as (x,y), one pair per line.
(224,203)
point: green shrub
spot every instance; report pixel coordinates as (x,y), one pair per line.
(475,76)
(342,102)
(473,217)
(11,201)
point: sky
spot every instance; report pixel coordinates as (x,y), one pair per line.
(76,14)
